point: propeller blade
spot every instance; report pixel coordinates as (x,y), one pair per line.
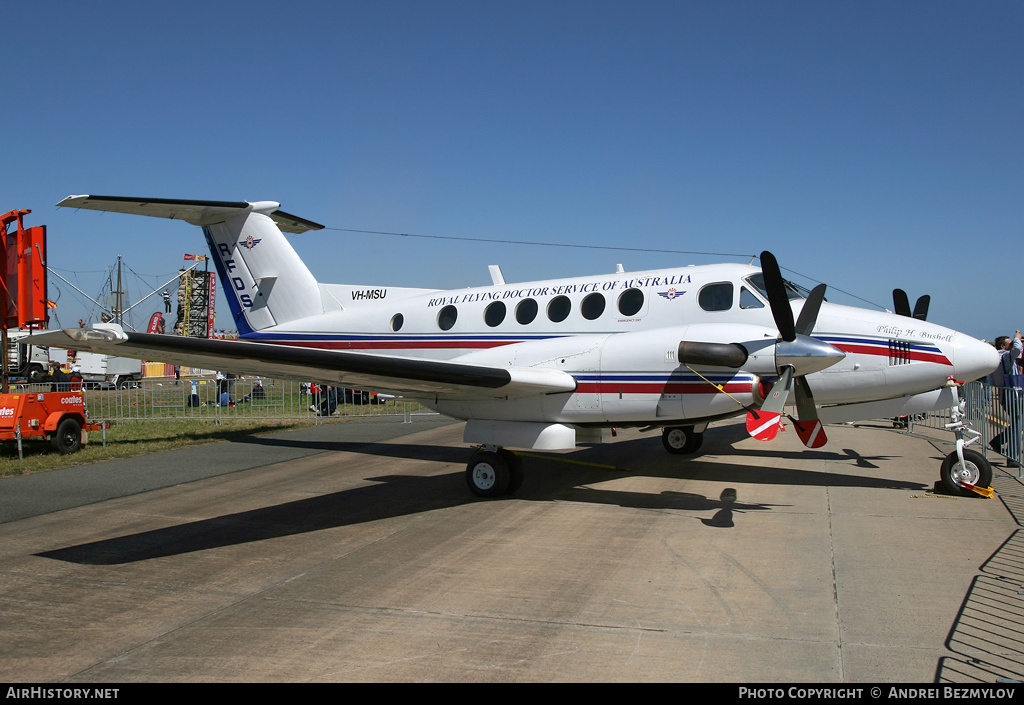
(778,299)
(763,424)
(809,426)
(921,308)
(809,313)
(779,395)
(900,302)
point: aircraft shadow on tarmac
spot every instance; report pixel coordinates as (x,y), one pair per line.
(548,478)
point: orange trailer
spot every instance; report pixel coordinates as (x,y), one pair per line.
(59,416)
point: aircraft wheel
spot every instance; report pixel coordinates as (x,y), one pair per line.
(68,437)
(975,470)
(488,474)
(681,440)
(515,470)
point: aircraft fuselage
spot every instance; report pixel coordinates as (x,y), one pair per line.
(618,335)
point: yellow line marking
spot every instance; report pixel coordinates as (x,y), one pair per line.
(719,387)
(574,462)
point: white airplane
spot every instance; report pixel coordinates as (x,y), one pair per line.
(550,364)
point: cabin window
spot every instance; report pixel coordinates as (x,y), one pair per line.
(526,311)
(630,302)
(494,314)
(716,297)
(558,309)
(397,321)
(446,317)
(748,300)
(592,306)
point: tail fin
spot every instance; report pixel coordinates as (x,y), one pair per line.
(263,279)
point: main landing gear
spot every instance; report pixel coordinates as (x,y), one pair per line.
(494,472)
(681,440)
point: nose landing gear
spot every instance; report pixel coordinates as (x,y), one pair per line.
(964,472)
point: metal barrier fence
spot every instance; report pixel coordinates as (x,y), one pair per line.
(997,413)
(236,399)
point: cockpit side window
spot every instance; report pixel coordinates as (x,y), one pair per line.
(748,300)
(716,297)
(757,282)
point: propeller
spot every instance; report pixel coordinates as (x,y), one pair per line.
(796,355)
(901,305)
(778,299)
(921,308)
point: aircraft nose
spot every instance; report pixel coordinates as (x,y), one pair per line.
(972,358)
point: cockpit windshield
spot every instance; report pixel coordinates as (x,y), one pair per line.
(792,290)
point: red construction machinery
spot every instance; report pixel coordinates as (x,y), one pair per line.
(60,415)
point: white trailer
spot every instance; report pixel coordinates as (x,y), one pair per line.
(28,361)
(102,370)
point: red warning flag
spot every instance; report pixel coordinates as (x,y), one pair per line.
(763,425)
(812,433)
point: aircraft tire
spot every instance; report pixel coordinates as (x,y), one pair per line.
(976,470)
(515,470)
(68,437)
(681,440)
(487,474)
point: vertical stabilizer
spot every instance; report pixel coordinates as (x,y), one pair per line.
(263,279)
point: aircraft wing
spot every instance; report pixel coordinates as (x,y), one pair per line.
(412,377)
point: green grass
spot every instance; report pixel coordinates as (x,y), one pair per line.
(154,418)
(132,438)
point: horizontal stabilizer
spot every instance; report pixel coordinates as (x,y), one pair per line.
(195,212)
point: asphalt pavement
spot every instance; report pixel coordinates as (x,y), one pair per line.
(355,552)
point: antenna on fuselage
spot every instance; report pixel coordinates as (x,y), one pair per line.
(496,276)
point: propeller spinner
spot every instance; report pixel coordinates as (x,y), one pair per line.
(796,355)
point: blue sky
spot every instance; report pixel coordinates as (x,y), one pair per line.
(869,145)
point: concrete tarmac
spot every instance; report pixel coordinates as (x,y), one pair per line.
(355,552)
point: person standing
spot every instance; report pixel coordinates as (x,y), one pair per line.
(1010,350)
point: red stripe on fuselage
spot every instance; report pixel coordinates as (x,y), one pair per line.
(393,345)
(914,355)
(660,388)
